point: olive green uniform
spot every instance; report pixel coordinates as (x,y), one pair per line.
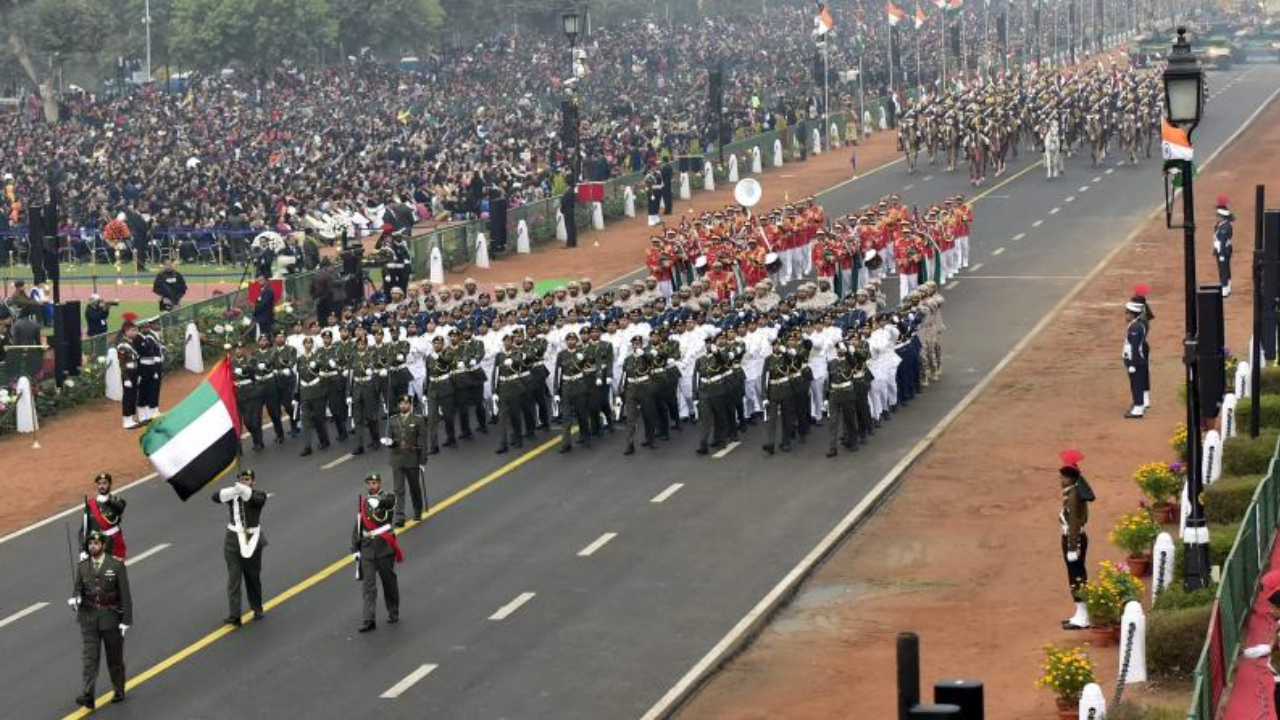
(102,589)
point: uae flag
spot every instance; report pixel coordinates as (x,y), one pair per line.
(196,442)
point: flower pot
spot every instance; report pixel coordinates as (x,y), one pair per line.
(1068,710)
(1115,633)
(1100,636)
(1166,512)
(1139,565)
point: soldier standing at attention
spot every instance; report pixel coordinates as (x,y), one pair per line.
(312,396)
(1135,355)
(130,372)
(244,543)
(248,395)
(1222,249)
(376,550)
(407,438)
(151,371)
(104,608)
(1076,496)
(102,514)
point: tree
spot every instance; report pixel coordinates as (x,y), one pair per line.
(210,34)
(387,26)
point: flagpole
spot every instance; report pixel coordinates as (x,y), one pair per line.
(891,29)
(919,76)
(826,105)
(986,37)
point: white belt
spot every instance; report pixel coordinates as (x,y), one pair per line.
(309,384)
(571,377)
(247,531)
(394,266)
(243,383)
(837,386)
(112,531)
(378,530)
(149,361)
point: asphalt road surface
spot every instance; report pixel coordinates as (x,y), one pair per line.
(549,586)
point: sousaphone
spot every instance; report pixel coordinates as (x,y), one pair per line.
(748,192)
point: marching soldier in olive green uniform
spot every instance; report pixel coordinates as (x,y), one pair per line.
(710,384)
(509,387)
(575,380)
(843,417)
(248,394)
(666,380)
(367,374)
(103,513)
(244,543)
(396,362)
(313,397)
(469,384)
(264,376)
(407,438)
(285,359)
(603,352)
(331,365)
(376,551)
(104,608)
(638,394)
(780,400)
(440,390)
(535,350)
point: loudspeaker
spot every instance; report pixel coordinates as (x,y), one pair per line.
(498,224)
(568,123)
(965,694)
(67,348)
(955,39)
(1270,280)
(1211,368)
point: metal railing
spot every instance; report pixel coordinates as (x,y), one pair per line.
(1239,584)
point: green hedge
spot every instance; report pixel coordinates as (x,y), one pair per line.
(1243,455)
(1227,499)
(1271,380)
(1270,415)
(1175,598)
(1221,539)
(1130,711)
(1174,641)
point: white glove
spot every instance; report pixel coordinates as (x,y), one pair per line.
(386,441)
(373,503)
(123,629)
(103,498)
(461,366)
(84,555)
(1257,651)
(1132,369)
(333,363)
(1072,556)
(128,383)
(506,362)
(239,371)
(355,556)
(262,366)
(368,373)
(599,382)
(312,364)
(73,603)
(244,491)
(286,371)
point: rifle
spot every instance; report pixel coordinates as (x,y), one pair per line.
(360,531)
(71,558)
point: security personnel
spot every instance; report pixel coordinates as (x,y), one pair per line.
(104,608)
(1074,515)
(440,391)
(130,372)
(407,438)
(248,394)
(509,375)
(1135,356)
(638,394)
(1223,231)
(285,361)
(575,379)
(376,550)
(367,373)
(103,512)
(244,543)
(264,376)
(313,397)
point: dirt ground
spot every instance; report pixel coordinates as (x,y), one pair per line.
(74,447)
(967,554)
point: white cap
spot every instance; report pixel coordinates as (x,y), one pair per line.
(1224,212)
(1134,307)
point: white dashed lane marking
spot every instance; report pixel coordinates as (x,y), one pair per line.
(976,267)
(998,251)
(409,681)
(505,611)
(1037,223)
(1055,211)
(23,613)
(596,544)
(727,449)
(335,463)
(662,496)
(143,556)
(1019,236)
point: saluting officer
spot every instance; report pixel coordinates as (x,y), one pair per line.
(1135,357)
(103,512)
(244,544)
(407,438)
(104,608)
(376,550)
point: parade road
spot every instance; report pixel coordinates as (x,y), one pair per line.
(587,585)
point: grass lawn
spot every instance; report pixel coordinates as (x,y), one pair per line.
(81,274)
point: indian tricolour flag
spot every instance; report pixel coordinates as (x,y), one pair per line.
(1174,143)
(197,441)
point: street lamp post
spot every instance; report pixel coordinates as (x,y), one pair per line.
(1184,104)
(570,23)
(146,20)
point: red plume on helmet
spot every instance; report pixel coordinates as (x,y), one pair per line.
(1222,200)
(1142,290)
(1071,459)
(130,317)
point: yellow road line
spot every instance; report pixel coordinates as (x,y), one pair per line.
(316,578)
(1006,181)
